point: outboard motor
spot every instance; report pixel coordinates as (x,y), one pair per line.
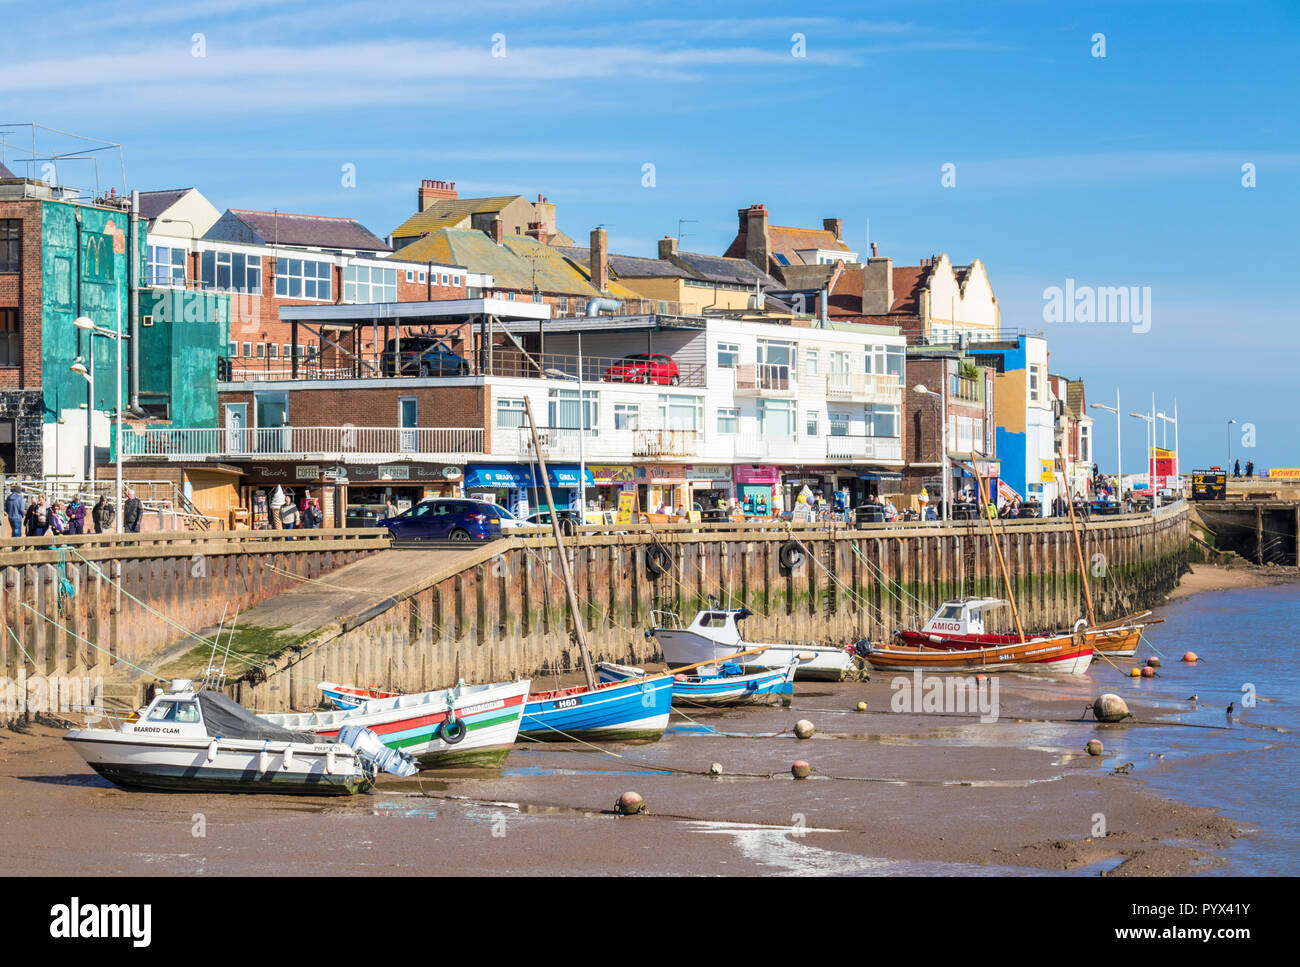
(370,746)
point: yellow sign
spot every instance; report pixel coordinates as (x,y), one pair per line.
(626,505)
(1048,472)
(1284,472)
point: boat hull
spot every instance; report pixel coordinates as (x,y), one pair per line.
(187,765)
(718,691)
(1115,642)
(414,724)
(635,710)
(1053,656)
(685,647)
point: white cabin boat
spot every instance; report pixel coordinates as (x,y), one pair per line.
(715,635)
(204,741)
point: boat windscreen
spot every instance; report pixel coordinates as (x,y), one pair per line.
(225,717)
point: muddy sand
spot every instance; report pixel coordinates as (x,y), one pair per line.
(1212,577)
(892,792)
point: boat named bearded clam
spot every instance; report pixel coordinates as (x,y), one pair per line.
(468,725)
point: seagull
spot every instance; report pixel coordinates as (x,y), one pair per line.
(1193,698)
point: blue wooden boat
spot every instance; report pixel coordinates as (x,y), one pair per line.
(625,710)
(725,687)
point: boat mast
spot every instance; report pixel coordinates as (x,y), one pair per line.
(1078,547)
(997,546)
(580,632)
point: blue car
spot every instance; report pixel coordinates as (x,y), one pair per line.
(445,519)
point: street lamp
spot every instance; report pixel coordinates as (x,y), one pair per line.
(582,431)
(1119,472)
(1228,467)
(88,325)
(1150,420)
(921,389)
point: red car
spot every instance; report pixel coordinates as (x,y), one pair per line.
(644,368)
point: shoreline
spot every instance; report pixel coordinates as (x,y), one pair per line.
(1216,577)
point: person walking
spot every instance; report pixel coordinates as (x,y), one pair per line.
(101,507)
(16,509)
(1250,469)
(132,511)
(1236,469)
(77,516)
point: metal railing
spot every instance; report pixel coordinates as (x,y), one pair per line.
(771,379)
(176,443)
(510,362)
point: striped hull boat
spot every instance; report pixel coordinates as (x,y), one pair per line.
(717,691)
(481,730)
(626,711)
(1059,656)
(347,697)
(1115,642)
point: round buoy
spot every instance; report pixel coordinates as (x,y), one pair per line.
(981,678)
(862,706)
(1153,661)
(1135,672)
(1109,708)
(630,803)
(1148,672)
(715,769)
(801,770)
(679,677)
(1094,747)
(806,655)
(1191,657)
(803,729)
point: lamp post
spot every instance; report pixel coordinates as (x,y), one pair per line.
(88,325)
(1119,472)
(921,389)
(1228,467)
(1149,419)
(582,431)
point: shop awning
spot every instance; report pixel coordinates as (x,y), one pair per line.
(567,476)
(498,475)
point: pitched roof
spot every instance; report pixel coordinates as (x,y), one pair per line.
(721,268)
(285,228)
(5,172)
(908,282)
(449,213)
(154,203)
(628,266)
(787,241)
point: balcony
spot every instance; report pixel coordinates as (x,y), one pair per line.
(863,448)
(666,443)
(774,381)
(291,442)
(864,388)
(563,443)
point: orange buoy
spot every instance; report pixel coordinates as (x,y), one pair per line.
(1148,672)
(800,769)
(1191,657)
(1153,661)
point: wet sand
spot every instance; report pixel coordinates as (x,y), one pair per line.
(892,792)
(1212,577)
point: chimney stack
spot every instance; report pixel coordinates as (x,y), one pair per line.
(431,191)
(599,259)
(539,231)
(873,250)
(498,231)
(758,249)
(835,226)
(667,247)
(877,286)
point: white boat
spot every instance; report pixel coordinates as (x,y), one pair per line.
(204,741)
(714,635)
(468,725)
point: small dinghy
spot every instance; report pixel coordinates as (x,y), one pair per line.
(204,741)
(717,686)
(621,710)
(349,696)
(714,636)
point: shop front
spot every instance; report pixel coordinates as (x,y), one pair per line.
(662,488)
(965,483)
(518,488)
(609,482)
(757,489)
(819,481)
(710,486)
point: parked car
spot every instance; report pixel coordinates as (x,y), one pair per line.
(568,520)
(509,519)
(445,518)
(422,356)
(644,368)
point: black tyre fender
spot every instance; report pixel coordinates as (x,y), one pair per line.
(791,555)
(452,730)
(657,560)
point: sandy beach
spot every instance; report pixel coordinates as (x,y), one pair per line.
(891,793)
(1212,577)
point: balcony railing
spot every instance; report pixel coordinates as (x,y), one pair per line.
(766,379)
(666,443)
(290,441)
(862,387)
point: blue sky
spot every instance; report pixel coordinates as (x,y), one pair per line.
(1122,170)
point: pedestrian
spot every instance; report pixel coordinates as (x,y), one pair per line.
(58,518)
(1236,469)
(77,515)
(97,513)
(1250,469)
(289,515)
(37,518)
(16,509)
(132,512)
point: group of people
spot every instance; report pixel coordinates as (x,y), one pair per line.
(289,514)
(1250,468)
(39,517)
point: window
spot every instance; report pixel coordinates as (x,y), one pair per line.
(304,279)
(369,283)
(1035,384)
(882,420)
(11,241)
(1085,451)
(11,338)
(562,303)
(839,374)
(627,416)
(455,280)
(886,361)
(288,350)
(445,278)
(234,349)
(681,412)
(231,272)
(776,419)
(728,355)
(729,420)
(839,423)
(423,277)
(510,413)
(811,423)
(248,349)
(261,350)
(274,350)
(410,275)
(166,265)
(810,361)
(564,413)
